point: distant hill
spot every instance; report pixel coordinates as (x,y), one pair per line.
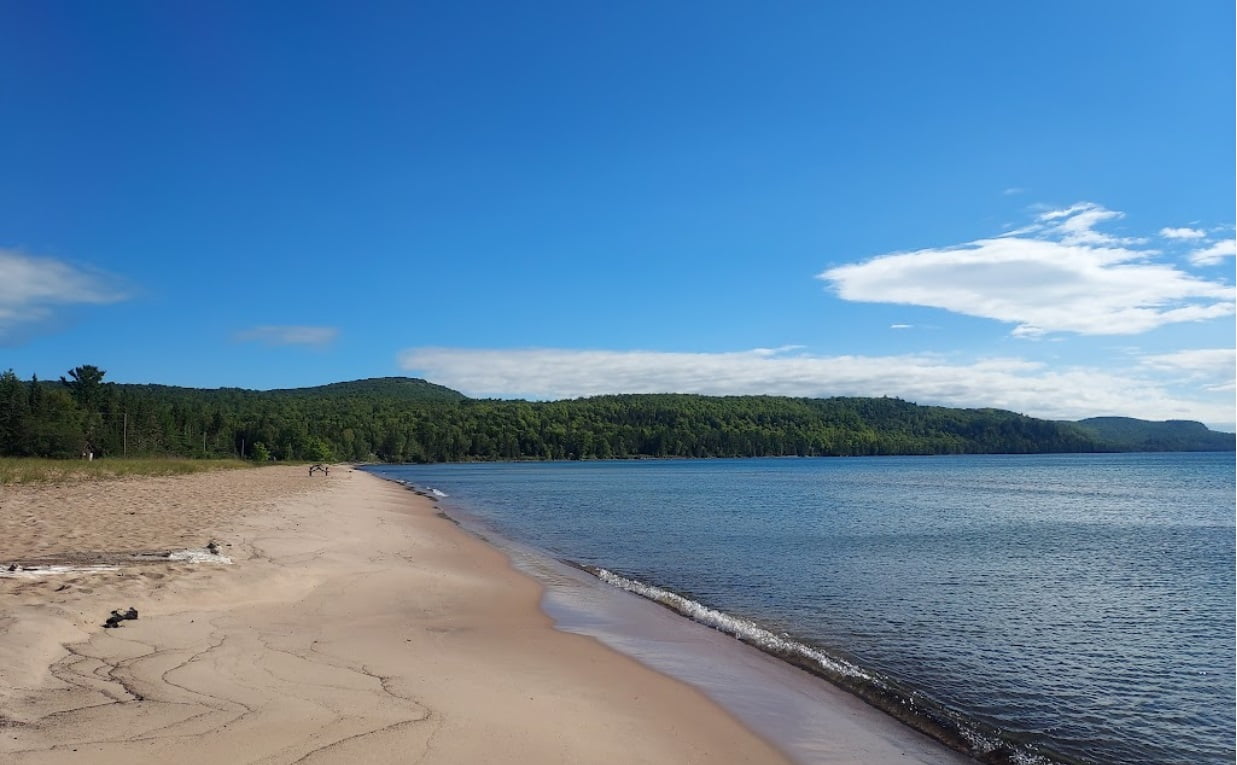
(398,388)
(386,388)
(1129,434)
(407,389)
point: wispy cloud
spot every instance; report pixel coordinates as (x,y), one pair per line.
(1182,233)
(1006,383)
(1076,225)
(1013,191)
(33,288)
(1214,368)
(1058,274)
(1217,360)
(1214,253)
(901,326)
(289,335)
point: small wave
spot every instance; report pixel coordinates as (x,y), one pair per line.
(426,491)
(979,740)
(745,630)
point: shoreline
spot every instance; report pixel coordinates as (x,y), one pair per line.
(971,739)
(811,718)
(934,579)
(355,623)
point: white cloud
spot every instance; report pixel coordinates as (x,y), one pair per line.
(289,335)
(1209,256)
(31,288)
(901,326)
(1182,233)
(1076,224)
(1215,367)
(1056,275)
(1195,359)
(1005,383)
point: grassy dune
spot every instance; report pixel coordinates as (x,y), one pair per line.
(22,470)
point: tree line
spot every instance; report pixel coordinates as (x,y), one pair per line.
(407,420)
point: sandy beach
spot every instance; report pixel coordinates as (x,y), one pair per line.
(355,624)
(346,619)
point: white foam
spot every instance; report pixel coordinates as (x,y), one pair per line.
(750,632)
(732,625)
(438,493)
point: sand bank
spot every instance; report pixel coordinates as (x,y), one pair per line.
(355,624)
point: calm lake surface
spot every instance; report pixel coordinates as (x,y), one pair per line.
(1073,608)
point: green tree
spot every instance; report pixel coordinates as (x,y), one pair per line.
(14,414)
(86,386)
(56,429)
(36,394)
(316,450)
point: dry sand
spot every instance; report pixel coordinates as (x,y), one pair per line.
(356,625)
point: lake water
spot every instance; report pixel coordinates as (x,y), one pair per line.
(1045,608)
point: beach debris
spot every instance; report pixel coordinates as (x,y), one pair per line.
(18,571)
(119,616)
(101,561)
(200,555)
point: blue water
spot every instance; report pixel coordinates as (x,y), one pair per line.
(1079,607)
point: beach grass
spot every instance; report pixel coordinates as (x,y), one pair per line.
(26,470)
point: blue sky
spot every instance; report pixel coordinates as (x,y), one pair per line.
(1027,206)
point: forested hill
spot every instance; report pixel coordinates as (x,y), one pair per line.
(393,388)
(1128,434)
(400,419)
(398,388)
